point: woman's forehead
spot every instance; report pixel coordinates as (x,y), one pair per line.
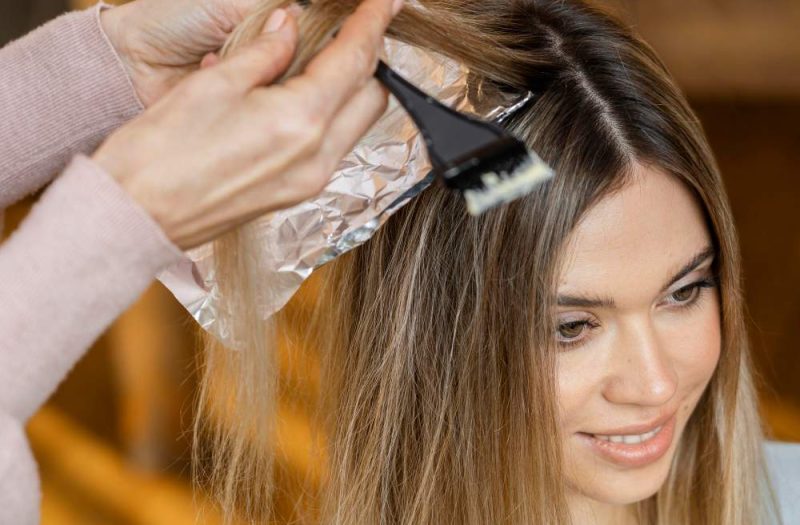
(631,240)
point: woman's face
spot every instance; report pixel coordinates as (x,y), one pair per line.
(639,331)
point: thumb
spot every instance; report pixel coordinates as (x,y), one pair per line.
(265,58)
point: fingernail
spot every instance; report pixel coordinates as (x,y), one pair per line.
(295,9)
(397,6)
(275,21)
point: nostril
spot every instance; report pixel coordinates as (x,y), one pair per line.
(662,390)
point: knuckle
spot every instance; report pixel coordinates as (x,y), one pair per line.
(281,47)
(253,60)
(304,130)
(321,177)
(384,101)
(315,104)
(313,136)
(380,16)
(195,87)
(365,58)
(310,182)
(215,83)
(381,95)
(311,128)
(331,164)
(273,56)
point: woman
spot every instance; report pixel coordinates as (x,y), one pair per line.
(577,356)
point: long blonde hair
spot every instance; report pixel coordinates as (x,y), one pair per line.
(438,396)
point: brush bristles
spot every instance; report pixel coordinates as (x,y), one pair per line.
(498,189)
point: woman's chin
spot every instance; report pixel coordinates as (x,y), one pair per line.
(623,488)
(608,483)
(630,488)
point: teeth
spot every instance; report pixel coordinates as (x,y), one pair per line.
(628,439)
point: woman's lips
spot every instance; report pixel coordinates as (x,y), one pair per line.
(624,450)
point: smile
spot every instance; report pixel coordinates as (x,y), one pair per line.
(629,439)
(634,447)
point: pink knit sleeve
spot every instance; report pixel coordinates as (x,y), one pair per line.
(62,90)
(81,257)
(85,252)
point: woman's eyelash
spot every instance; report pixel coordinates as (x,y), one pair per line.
(577,341)
(697,287)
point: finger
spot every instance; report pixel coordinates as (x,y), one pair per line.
(295,9)
(354,120)
(344,66)
(306,179)
(264,59)
(209,60)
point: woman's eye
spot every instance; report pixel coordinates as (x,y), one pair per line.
(689,294)
(685,294)
(571,331)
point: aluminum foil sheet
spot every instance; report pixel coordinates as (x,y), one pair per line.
(387,168)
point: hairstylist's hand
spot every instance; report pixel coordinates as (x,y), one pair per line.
(160,41)
(221,149)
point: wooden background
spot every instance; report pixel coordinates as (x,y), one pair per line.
(112,443)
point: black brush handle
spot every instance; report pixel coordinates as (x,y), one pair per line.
(449,135)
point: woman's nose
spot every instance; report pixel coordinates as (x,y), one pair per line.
(641,372)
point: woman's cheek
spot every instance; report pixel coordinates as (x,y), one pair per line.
(580,378)
(699,343)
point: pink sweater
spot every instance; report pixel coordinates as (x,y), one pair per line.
(86,251)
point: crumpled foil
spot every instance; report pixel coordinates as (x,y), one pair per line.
(387,168)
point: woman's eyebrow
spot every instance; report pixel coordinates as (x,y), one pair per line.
(606,302)
(693,263)
(578,301)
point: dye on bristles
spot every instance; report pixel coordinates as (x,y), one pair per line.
(500,188)
(487,164)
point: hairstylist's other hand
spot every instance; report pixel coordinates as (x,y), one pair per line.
(221,148)
(160,41)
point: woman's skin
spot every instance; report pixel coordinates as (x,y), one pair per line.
(223,146)
(160,42)
(643,360)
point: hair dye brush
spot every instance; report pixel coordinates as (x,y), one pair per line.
(482,160)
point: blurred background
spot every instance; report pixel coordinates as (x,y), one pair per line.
(112,443)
